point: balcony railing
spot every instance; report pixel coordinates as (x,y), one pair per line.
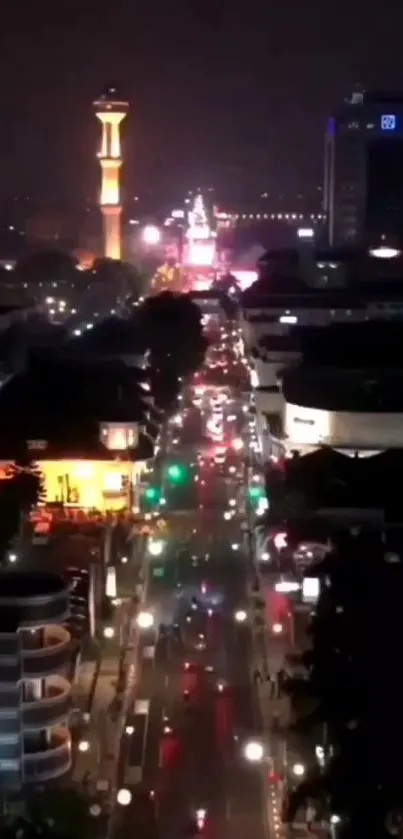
(50,658)
(52,708)
(52,762)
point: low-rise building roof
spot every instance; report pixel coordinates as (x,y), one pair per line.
(332,389)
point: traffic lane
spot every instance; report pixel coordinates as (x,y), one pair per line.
(233,709)
(245,790)
(193,776)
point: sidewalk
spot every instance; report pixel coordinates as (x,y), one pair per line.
(97,752)
(269,658)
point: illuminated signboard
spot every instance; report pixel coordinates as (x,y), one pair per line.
(388,122)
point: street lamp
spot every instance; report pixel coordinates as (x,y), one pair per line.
(277,628)
(241,616)
(124,797)
(253,751)
(298,770)
(145,620)
(83,746)
(151,235)
(109,632)
(155,547)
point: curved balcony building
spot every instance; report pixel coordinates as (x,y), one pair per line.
(35,651)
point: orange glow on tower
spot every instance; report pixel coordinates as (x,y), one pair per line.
(111,111)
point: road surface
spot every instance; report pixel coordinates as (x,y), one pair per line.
(188,754)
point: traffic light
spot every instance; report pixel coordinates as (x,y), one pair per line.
(152,494)
(255,493)
(176,473)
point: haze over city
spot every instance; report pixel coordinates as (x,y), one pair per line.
(201,421)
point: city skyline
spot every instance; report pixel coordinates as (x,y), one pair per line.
(212,96)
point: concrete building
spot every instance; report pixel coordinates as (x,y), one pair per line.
(35,745)
(356,411)
(337,386)
(363,179)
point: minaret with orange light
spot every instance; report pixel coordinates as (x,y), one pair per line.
(111,110)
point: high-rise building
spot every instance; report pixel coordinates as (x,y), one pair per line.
(111,110)
(363,183)
(35,657)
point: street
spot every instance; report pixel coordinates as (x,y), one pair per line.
(195,704)
(188,752)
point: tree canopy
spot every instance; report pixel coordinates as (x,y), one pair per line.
(58,813)
(354,680)
(20,491)
(170,329)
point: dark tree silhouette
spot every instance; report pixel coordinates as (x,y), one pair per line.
(354,686)
(128,280)
(20,491)
(169,327)
(59,813)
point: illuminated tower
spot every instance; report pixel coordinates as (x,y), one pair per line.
(110,110)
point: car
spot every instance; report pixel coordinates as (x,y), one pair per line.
(167,729)
(190,666)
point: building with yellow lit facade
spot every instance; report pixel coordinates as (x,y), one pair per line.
(87,427)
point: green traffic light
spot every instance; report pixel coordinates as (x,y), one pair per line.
(176,473)
(255,493)
(152,494)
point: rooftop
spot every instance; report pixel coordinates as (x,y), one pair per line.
(334,480)
(357,391)
(363,345)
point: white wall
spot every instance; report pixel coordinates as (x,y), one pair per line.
(311,426)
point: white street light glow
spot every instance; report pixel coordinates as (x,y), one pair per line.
(83,746)
(253,752)
(155,547)
(151,235)
(145,620)
(241,616)
(124,797)
(298,769)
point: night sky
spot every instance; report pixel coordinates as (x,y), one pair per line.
(236,99)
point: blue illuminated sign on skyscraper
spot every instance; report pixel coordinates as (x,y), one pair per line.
(388,122)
